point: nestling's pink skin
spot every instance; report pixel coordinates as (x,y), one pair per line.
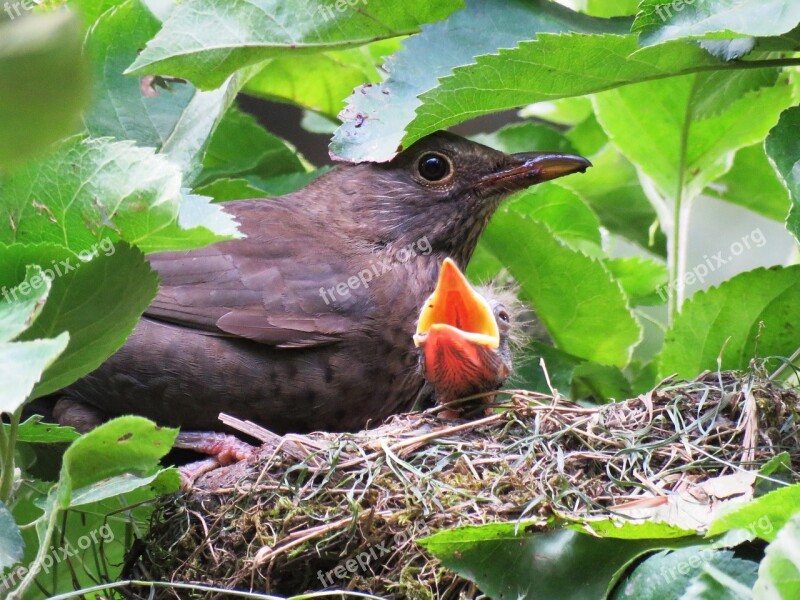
(463,340)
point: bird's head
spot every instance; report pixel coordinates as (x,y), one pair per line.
(445,188)
(463,338)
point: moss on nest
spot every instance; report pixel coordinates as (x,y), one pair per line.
(284,521)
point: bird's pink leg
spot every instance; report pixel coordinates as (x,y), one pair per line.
(223,448)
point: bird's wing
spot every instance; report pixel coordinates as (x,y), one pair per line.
(265,287)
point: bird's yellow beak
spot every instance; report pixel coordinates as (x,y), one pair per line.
(456,310)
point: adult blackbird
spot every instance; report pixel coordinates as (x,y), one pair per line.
(463,336)
(308,322)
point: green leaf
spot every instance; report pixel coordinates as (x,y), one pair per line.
(726,320)
(563,211)
(164,113)
(583,308)
(123,445)
(91,10)
(21,305)
(506,563)
(117,278)
(528,373)
(710,144)
(222,190)
(321,82)
(318,123)
(716,584)
(587,136)
(205,41)
(285,184)
(753,184)
(779,572)
(454,71)
(241,147)
(22,363)
(188,142)
(168,114)
(92,192)
(599,383)
(672,574)
(613,191)
(12,548)
(604,8)
(783,149)
(120,281)
(566,111)
(33,431)
(44,83)
(199,223)
(526,137)
(21,367)
(763,517)
(729,49)
(622,529)
(774,474)
(641,278)
(163,481)
(659,21)
(130,108)
(717,91)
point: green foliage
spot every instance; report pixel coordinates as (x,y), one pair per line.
(672,105)
(205,41)
(122,282)
(12,548)
(755,313)
(240,147)
(783,149)
(39,52)
(548,52)
(509,561)
(765,516)
(321,82)
(659,21)
(583,308)
(779,572)
(23,362)
(682,151)
(687,573)
(106,190)
(126,445)
(753,184)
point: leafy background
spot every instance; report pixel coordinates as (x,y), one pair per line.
(120,131)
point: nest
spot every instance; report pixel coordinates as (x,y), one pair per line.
(289,520)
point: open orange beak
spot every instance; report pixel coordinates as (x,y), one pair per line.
(455,312)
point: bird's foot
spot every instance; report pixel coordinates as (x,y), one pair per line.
(223,449)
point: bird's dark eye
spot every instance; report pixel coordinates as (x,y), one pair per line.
(503,316)
(434,167)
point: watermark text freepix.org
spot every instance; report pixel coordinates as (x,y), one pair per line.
(667,576)
(328,13)
(57,555)
(376,269)
(15,9)
(698,273)
(58,269)
(665,10)
(360,563)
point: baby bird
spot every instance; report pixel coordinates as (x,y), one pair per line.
(463,336)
